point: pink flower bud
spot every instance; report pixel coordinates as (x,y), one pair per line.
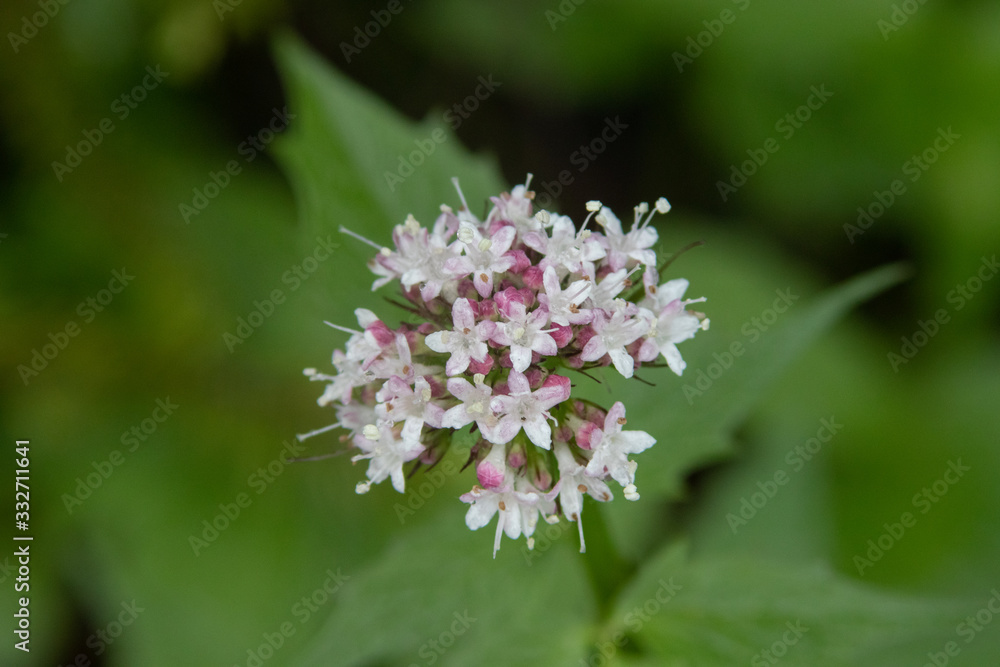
(483,367)
(584,335)
(467,290)
(517,458)
(534,376)
(492,469)
(521,261)
(562,335)
(485,309)
(532,277)
(505,298)
(541,479)
(583,434)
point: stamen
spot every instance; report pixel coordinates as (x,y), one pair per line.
(303,436)
(345,230)
(461,196)
(340,328)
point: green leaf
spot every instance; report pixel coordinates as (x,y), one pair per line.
(699,421)
(693,422)
(343,142)
(729,611)
(438,593)
(404,604)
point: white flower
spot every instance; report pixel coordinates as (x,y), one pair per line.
(349,375)
(386,453)
(399,402)
(483,256)
(518,503)
(566,249)
(635,244)
(604,293)
(419,258)
(573,483)
(673,325)
(397,360)
(367,344)
(524,333)
(475,405)
(611,336)
(515,208)
(611,447)
(525,409)
(563,305)
(466,342)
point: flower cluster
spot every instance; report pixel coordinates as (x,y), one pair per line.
(504,306)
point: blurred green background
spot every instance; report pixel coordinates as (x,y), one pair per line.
(191,89)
